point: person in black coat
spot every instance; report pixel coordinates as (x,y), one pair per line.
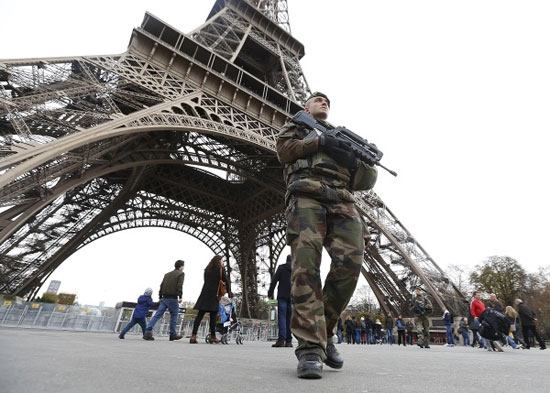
(528,320)
(284,311)
(209,298)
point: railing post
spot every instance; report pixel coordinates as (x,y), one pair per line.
(6,314)
(22,315)
(37,315)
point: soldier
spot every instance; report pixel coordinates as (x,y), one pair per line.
(421,306)
(321,174)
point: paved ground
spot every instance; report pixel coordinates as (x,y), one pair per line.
(56,362)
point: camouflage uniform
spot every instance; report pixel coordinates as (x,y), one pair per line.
(320,211)
(421,306)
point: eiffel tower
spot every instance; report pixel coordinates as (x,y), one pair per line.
(177,132)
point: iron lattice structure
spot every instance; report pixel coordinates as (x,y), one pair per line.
(179,132)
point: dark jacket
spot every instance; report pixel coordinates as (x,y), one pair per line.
(526,316)
(400,324)
(282,276)
(171,284)
(496,305)
(389,323)
(368,323)
(208,300)
(142,308)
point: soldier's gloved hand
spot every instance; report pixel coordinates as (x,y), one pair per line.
(338,150)
(344,157)
(328,141)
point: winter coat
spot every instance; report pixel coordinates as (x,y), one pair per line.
(526,316)
(142,308)
(172,283)
(208,299)
(368,323)
(448,318)
(389,323)
(476,308)
(400,324)
(282,276)
(496,305)
(493,324)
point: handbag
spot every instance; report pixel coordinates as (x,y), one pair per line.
(222,290)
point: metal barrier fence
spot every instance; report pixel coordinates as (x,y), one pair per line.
(55,316)
(82,318)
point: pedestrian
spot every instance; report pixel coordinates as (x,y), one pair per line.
(477,307)
(421,306)
(463,330)
(363,331)
(321,173)
(474,327)
(284,311)
(528,324)
(144,302)
(494,303)
(209,298)
(389,328)
(349,329)
(368,327)
(513,316)
(449,320)
(401,328)
(339,329)
(378,331)
(410,330)
(170,298)
(358,330)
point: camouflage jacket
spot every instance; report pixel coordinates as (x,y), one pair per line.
(421,305)
(309,171)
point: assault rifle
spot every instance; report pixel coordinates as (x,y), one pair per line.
(418,309)
(363,150)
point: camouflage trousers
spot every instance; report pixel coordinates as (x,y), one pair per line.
(312,225)
(422,329)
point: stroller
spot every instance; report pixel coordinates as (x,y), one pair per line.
(227,322)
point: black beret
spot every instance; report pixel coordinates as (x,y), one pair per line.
(319,94)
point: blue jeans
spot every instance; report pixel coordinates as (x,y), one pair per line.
(284,312)
(357,336)
(389,332)
(339,335)
(511,341)
(465,337)
(370,336)
(134,321)
(171,305)
(449,334)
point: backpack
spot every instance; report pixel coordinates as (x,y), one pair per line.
(493,324)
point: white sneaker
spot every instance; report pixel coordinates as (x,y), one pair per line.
(498,346)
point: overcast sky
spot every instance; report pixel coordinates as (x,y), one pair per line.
(456,95)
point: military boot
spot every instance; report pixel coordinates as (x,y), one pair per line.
(334,359)
(310,366)
(148,337)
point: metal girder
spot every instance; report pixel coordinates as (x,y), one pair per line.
(177,132)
